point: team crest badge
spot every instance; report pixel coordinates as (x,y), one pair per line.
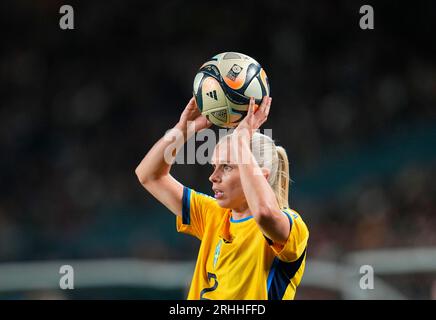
(217,252)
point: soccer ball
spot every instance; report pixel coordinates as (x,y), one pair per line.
(224,84)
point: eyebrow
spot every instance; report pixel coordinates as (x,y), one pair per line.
(220,163)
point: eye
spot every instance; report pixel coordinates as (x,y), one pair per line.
(226,167)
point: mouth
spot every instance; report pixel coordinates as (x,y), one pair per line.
(218,193)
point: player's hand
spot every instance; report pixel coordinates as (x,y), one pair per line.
(255,117)
(192,116)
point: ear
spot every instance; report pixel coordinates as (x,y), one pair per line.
(265,172)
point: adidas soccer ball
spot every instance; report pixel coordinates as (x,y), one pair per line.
(224,84)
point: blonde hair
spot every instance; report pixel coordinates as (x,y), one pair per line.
(275,159)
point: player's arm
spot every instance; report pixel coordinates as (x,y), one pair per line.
(154,170)
(260,196)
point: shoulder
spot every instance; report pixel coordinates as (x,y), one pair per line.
(200,197)
(296,219)
(292,214)
(201,194)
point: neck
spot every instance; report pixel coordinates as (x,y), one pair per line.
(241,212)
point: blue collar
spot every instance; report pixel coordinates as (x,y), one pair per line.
(240,220)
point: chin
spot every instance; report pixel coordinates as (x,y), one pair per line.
(223,203)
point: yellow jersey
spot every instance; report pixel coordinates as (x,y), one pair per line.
(235,260)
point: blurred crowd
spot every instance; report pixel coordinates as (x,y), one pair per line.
(397,213)
(80,108)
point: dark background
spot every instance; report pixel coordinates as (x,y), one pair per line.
(355,109)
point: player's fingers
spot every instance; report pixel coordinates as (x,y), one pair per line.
(268,106)
(264,104)
(261,112)
(251,107)
(208,123)
(192,103)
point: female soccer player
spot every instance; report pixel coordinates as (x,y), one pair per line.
(252,245)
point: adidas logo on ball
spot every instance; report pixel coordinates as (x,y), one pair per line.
(212,94)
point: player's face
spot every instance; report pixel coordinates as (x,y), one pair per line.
(226,182)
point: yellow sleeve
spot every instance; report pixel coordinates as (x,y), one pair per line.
(195,208)
(297,240)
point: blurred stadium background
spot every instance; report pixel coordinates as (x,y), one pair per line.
(79,109)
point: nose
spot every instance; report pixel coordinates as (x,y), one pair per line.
(214,177)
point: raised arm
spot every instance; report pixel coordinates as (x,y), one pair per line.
(154,170)
(259,194)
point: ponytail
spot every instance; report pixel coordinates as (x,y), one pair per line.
(281,185)
(274,158)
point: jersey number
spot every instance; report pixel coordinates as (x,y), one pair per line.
(206,290)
